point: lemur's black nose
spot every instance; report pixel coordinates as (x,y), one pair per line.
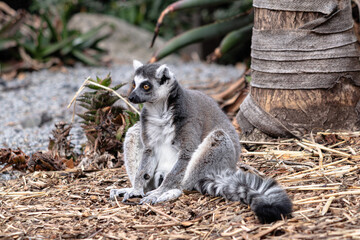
(134,98)
(131,98)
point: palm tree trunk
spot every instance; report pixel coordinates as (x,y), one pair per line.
(305,70)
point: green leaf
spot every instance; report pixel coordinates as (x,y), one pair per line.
(202,33)
(118,86)
(186,4)
(98,49)
(86,117)
(84,122)
(133,117)
(234,38)
(87,106)
(54,35)
(107,81)
(40,35)
(30,47)
(132,14)
(84,100)
(182,5)
(99,39)
(87,39)
(88,94)
(93,87)
(84,58)
(110,101)
(56,46)
(91,112)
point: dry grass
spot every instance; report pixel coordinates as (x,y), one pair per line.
(322,179)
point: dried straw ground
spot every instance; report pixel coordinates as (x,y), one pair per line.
(321,176)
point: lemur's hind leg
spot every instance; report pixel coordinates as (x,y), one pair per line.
(265,197)
(214,155)
(217,146)
(133,149)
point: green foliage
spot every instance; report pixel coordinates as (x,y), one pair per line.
(36,42)
(181,16)
(70,6)
(104,123)
(144,13)
(232,18)
(202,33)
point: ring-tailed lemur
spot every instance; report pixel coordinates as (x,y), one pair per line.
(184,142)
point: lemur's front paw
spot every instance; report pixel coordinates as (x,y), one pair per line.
(126,192)
(151,199)
(157,196)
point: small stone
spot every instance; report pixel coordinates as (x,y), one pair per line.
(31,121)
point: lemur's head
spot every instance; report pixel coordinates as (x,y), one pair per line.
(152,82)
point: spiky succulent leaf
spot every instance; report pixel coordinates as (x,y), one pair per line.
(117,87)
(93,86)
(88,94)
(84,100)
(107,81)
(87,117)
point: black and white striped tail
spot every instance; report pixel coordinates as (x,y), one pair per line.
(265,197)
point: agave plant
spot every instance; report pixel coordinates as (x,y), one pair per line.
(105,124)
(34,42)
(235,24)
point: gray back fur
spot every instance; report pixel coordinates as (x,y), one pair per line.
(192,111)
(195,111)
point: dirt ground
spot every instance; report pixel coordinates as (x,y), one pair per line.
(320,175)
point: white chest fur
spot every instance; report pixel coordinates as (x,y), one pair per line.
(161,133)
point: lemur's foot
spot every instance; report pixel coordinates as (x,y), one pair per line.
(156,196)
(126,192)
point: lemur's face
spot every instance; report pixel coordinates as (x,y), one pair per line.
(152,83)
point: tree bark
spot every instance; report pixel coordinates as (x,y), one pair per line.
(304,110)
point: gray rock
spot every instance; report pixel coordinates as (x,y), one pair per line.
(30,120)
(127,41)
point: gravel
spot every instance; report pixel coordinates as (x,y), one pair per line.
(31,106)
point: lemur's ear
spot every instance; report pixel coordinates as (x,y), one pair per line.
(137,64)
(163,73)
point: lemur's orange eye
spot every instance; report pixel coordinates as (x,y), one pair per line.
(146,87)
(133,85)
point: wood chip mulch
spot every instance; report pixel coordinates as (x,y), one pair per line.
(321,176)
